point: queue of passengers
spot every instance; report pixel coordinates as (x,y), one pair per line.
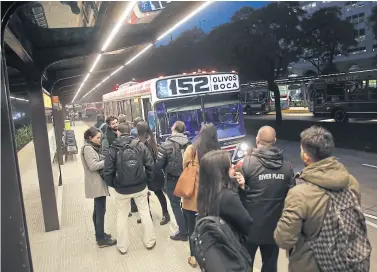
(227,212)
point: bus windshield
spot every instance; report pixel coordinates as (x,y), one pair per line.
(197,111)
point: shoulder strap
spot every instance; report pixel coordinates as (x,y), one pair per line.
(101,126)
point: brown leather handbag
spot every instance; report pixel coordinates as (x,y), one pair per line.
(186,183)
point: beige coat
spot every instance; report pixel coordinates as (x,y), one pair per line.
(191,204)
(305,208)
(93,162)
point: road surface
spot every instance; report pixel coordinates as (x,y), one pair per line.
(305,117)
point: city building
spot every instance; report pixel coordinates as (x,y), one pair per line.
(360,57)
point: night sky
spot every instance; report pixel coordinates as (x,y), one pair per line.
(214,15)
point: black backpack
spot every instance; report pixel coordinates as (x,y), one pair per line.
(217,248)
(129,166)
(175,167)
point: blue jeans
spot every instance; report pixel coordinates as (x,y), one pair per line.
(175,203)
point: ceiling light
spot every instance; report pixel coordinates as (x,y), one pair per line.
(121,21)
(184,20)
(116,28)
(95,63)
(117,70)
(140,53)
(86,78)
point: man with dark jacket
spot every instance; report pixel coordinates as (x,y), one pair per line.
(170,159)
(101,124)
(268,178)
(110,135)
(128,168)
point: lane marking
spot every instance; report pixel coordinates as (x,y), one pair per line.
(369,165)
(371,224)
(370,216)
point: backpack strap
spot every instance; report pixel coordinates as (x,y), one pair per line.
(101,126)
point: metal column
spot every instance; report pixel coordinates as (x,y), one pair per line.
(42,154)
(15,247)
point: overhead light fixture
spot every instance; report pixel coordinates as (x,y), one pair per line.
(19,99)
(138,54)
(109,39)
(120,22)
(95,63)
(86,78)
(117,70)
(184,20)
(116,28)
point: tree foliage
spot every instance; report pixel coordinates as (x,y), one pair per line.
(323,36)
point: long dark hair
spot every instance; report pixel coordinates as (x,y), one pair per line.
(213,178)
(145,131)
(207,140)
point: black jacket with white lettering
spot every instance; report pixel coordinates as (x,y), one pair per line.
(268,178)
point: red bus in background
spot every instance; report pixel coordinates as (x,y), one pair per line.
(92,109)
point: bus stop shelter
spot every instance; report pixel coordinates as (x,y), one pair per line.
(52,46)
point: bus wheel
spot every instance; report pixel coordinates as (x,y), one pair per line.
(248,111)
(340,116)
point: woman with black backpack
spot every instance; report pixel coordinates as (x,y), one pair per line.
(158,181)
(223,221)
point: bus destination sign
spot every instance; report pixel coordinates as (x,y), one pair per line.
(189,85)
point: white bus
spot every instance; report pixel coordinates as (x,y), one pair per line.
(195,99)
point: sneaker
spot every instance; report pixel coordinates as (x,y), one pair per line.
(192,261)
(106,242)
(152,247)
(130,214)
(165,219)
(179,237)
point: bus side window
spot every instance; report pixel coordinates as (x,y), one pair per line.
(356,90)
(335,92)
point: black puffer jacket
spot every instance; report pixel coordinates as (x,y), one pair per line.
(170,155)
(113,169)
(268,178)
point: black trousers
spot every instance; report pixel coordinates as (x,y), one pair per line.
(162,199)
(270,254)
(175,203)
(99,216)
(190,218)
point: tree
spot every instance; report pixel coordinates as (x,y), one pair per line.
(324,35)
(261,43)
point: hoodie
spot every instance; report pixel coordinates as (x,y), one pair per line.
(268,177)
(305,208)
(170,155)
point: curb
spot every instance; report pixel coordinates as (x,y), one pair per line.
(290,111)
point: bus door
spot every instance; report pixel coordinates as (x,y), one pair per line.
(146,107)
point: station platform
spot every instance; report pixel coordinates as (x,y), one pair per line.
(73,247)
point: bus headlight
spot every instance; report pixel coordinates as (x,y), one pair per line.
(240,154)
(244,147)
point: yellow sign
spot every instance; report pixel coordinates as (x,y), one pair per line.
(47,101)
